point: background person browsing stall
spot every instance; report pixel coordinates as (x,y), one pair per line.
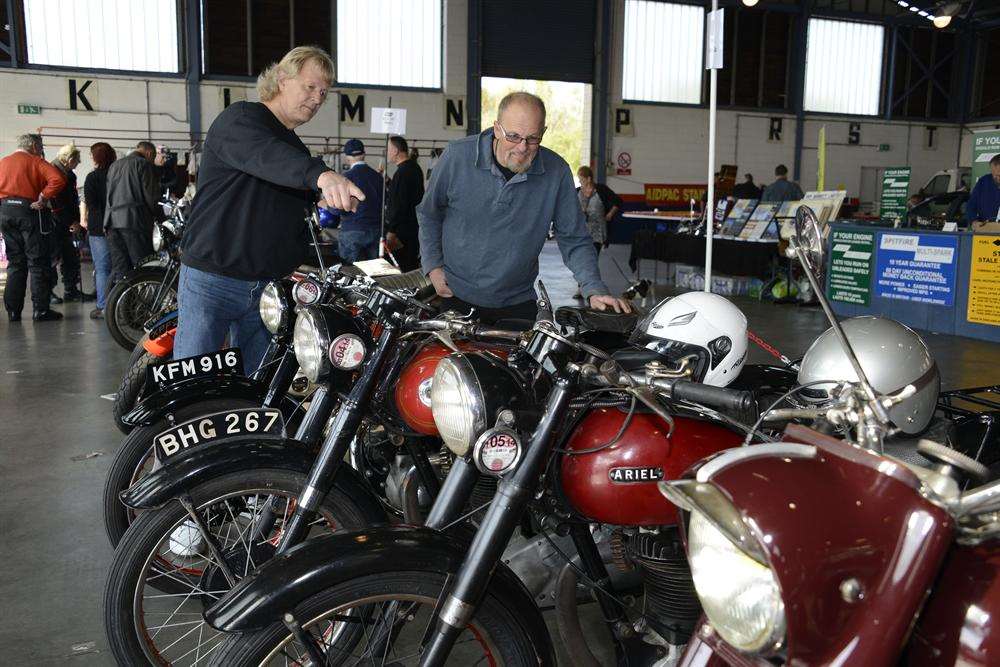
(247,221)
(361,231)
(486,213)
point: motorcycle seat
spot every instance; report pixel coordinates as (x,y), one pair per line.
(587,319)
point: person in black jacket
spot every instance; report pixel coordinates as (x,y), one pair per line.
(131,208)
(95,194)
(66,216)
(406,189)
(747,189)
(247,222)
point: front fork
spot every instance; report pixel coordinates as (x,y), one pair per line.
(499,524)
(335,447)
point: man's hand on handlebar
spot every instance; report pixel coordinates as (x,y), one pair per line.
(338,192)
(604,302)
(439,282)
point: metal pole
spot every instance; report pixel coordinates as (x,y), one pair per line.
(385,173)
(710,201)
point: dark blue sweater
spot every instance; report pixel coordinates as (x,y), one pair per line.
(369,213)
(984,201)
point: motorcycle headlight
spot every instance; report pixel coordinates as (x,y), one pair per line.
(275,309)
(457,404)
(739,594)
(311,340)
(157,238)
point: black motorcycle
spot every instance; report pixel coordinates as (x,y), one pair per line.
(150,289)
(216,507)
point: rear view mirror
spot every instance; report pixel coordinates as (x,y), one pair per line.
(808,237)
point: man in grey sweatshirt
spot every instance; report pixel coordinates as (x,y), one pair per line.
(486,213)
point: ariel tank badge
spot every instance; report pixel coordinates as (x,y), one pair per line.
(635,475)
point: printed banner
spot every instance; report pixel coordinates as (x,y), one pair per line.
(985,145)
(895,191)
(670,195)
(851,267)
(917,267)
(984,281)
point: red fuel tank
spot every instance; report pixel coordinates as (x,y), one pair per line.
(617,484)
(413,390)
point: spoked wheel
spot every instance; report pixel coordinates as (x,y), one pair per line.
(165,572)
(381,619)
(130,304)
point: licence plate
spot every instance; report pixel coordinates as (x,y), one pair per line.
(225,362)
(202,430)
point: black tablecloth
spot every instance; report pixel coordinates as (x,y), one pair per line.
(729,257)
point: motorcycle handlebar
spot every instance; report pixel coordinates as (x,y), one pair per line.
(730,400)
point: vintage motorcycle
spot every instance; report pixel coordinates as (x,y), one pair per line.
(375,595)
(276,384)
(150,289)
(191,530)
(894,561)
(395,595)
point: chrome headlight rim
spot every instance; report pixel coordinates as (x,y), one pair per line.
(472,401)
(708,510)
(158,238)
(311,342)
(275,308)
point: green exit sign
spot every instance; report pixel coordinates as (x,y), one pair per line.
(883,148)
(30,109)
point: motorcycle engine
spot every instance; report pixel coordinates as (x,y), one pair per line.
(672,606)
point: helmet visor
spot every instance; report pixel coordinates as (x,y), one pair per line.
(674,352)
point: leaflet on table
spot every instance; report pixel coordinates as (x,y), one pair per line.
(760,221)
(738,217)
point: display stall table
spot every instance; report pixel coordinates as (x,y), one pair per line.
(626,225)
(944,282)
(732,257)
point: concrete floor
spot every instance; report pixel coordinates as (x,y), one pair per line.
(56,437)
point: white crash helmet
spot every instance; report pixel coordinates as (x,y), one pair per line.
(702,324)
(892,356)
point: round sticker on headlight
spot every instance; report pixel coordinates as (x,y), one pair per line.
(497,451)
(305,292)
(347,351)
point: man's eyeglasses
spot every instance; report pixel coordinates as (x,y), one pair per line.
(514,138)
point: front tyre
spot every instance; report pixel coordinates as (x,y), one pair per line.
(164,575)
(134,459)
(352,623)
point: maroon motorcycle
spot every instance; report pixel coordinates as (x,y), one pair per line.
(835,552)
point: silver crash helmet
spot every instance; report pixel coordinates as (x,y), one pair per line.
(892,356)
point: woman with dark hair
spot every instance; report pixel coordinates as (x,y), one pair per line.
(95,189)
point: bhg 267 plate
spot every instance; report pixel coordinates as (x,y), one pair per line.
(203,430)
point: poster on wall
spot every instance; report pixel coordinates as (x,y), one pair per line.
(851,267)
(985,144)
(917,267)
(984,281)
(895,191)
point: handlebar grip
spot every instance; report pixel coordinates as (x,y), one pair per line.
(425,293)
(730,400)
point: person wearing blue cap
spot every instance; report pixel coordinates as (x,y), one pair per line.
(361,230)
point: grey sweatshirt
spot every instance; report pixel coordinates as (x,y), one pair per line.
(486,233)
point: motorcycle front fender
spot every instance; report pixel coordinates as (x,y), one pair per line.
(194,390)
(186,471)
(286,580)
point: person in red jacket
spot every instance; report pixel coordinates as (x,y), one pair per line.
(27,183)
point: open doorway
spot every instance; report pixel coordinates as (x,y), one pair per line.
(567,107)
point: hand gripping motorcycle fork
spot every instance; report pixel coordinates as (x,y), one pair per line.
(499,524)
(342,431)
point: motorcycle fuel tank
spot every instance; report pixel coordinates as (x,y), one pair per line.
(617,484)
(413,390)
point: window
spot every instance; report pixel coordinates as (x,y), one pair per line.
(389,43)
(663,52)
(136,35)
(843,67)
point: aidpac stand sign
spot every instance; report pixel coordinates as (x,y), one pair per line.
(917,267)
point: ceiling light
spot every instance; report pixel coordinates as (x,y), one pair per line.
(749,3)
(942,21)
(945,14)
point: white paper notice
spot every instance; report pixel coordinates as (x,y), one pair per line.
(714,39)
(386,120)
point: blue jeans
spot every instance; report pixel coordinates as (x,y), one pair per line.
(102,267)
(357,245)
(211,306)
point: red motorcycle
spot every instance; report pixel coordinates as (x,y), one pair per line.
(835,552)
